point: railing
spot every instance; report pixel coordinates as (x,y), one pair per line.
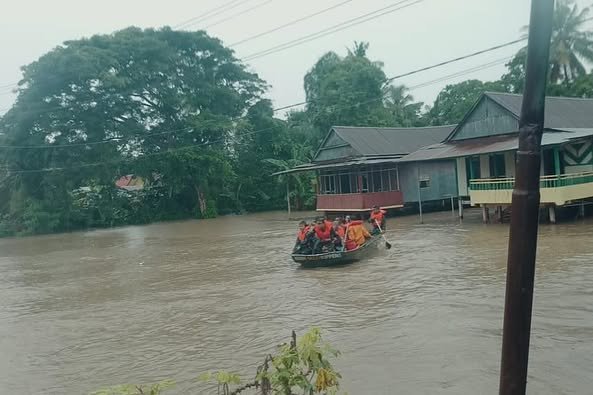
(553,181)
(555,189)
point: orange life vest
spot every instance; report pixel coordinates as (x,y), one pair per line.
(323,234)
(379,216)
(302,235)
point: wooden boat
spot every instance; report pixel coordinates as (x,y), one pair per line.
(335,258)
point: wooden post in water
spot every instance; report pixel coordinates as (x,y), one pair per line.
(525,206)
(288,195)
(419,193)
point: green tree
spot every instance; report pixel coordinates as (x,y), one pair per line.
(400,105)
(513,80)
(346,91)
(570,44)
(259,137)
(455,100)
(153,93)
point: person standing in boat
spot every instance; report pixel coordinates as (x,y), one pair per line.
(377,219)
(356,234)
(304,241)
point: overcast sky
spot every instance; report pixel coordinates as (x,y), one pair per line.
(422,34)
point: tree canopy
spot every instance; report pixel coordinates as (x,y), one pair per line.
(180,112)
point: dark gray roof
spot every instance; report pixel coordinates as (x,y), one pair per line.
(561,112)
(491,144)
(369,141)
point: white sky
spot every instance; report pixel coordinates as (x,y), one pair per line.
(425,33)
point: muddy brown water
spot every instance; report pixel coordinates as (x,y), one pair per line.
(138,304)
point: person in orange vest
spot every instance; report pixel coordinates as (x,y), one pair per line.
(323,235)
(328,222)
(356,234)
(303,241)
(377,219)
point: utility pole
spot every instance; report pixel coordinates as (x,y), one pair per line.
(525,206)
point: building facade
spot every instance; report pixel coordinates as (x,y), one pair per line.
(357,168)
(483,147)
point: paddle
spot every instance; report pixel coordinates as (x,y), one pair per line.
(387,244)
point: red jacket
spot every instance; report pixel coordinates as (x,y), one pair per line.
(379,216)
(323,234)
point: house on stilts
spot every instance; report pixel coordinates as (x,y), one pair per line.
(472,162)
(357,168)
(483,148)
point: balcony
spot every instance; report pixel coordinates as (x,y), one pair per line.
(353,202)
(555,189)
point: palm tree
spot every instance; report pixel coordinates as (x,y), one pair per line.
(571,43)
(400,104)
(359,49)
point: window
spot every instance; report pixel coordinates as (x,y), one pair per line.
(377,186)
(497,166)
(424,182)
(365,182)
(472,166)
(345,186)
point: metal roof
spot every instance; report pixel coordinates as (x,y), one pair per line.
(351,162)
(491,144)
(560,112)
(369,141)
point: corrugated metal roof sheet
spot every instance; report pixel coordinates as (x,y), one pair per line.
(369,141)
(348,163)
(560,112)
(487,145)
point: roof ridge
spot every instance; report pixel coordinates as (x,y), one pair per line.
(547,97)
(395,127)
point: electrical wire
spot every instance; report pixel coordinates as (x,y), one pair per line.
(333,29)
(288,24)
(255,7)
(225,139)
(212,13)
(286,107)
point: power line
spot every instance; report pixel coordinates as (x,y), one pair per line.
(333,29)
(462,72)
(214,12)
(224,139)
(523,38)
(238,14)
(107,141)
(8,85)
(283,108)
(291,23)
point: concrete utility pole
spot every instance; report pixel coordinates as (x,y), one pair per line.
(525,205)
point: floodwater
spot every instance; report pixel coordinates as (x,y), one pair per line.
(139,304)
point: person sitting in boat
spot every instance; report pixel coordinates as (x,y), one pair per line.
(349,221)
(304,240)
(328,222)
(377,219)
(323,236)
(356,234)
(339,232)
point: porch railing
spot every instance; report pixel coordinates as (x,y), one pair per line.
(553,181)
